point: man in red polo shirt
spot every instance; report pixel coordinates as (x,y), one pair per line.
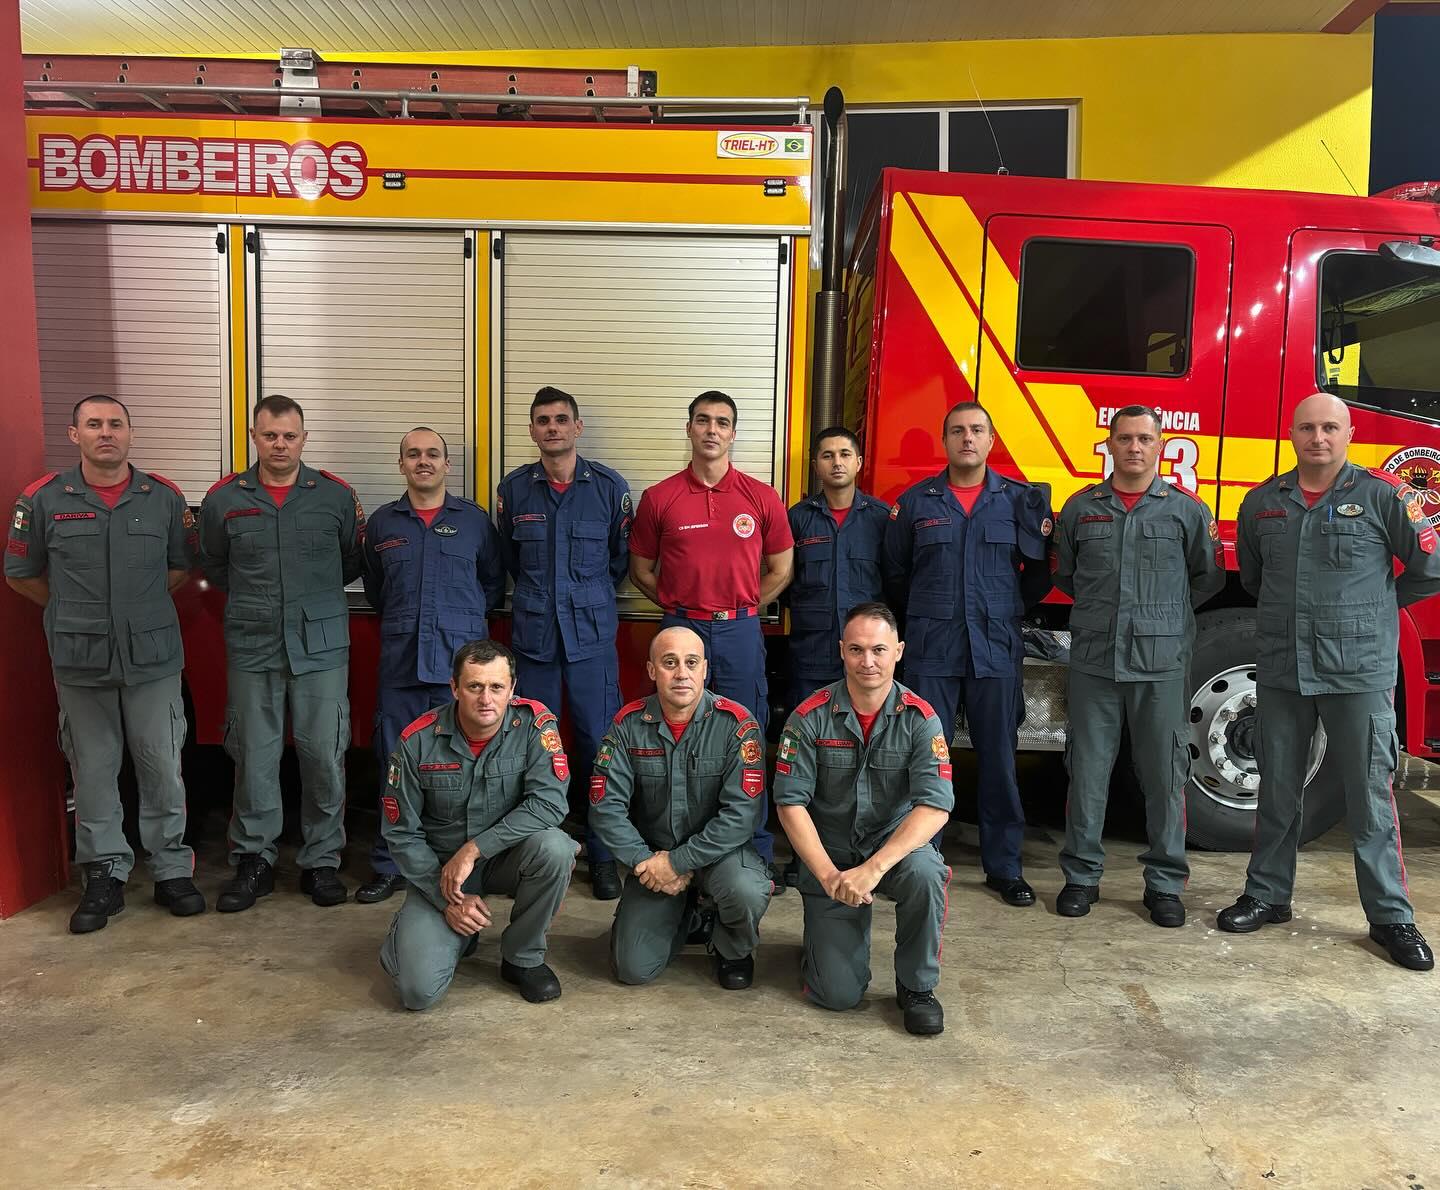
(696,549)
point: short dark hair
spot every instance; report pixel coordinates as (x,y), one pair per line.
(832,432)
(714,397)
(277,405)
(871,611)
(553,396)
(480,652)
(967,407)
(104,399)
(421,430)
(1136,411)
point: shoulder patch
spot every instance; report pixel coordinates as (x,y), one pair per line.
(220,483)
(731,707)
(330,475)
(39,483)
(539,710)
(420,724)
(169,483)
(1387,477)
(629,709)
(910,699)
(1175,487)
(814,702)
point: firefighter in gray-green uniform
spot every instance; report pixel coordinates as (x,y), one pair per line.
(863,783)
(1318,547)
(675,796)
(1136,555)
(473,802)
(100,547)
(282,541)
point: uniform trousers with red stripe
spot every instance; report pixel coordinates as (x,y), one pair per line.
(1362,746)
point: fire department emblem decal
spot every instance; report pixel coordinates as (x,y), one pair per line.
(550,738)
(744,525)
(1419,466)
(939,748)
(750,752)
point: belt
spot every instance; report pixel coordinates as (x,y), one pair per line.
(729,613)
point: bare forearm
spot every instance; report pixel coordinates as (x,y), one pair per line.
(799,828)
(36,590)
(917,829)
(176,579)
(772,582)
(644,573)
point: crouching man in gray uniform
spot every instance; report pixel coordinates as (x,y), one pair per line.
(1317,549)
(676,797)
(863,783)
(473,802)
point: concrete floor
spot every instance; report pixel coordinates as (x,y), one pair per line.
(266,1049)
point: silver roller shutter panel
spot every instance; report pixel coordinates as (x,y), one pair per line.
(367,330)
(635,327)
(136,310)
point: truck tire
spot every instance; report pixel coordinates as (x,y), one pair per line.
(1221,795)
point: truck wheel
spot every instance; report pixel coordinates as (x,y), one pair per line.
(1221,796)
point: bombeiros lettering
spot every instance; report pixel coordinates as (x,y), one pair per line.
(98,163)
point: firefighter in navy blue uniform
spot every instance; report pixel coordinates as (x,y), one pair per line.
(839,541)
(433,570)
(565,529)
(965,556)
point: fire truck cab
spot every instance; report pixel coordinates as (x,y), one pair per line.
(1056,302)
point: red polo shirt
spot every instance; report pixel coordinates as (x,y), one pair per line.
(709,541)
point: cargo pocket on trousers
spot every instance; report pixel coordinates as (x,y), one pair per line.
(1180,764)
(230,741)
(1384,760)
(342,733)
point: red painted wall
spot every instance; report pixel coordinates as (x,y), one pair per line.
(33,849)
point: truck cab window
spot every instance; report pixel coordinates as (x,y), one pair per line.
(1090,306)
(1379,333)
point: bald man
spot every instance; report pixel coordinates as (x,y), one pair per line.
(676,797)
(1318,547)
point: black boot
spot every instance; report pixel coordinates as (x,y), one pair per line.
(103,898)
(254,878)
(536,984)
(1249,913)
(1405,944)
(323,886)
(734,975)
(180,896)
(1166,909)
(380,887)
(923,1014)
(1074,900)
(604,880)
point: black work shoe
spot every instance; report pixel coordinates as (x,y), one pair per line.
(1166,909)
(380,887)
(536,984)
(923,1014)
(777,880)
(323,886)
(1075,899)
(790,874)
(1013,891)
(180,896)
(604,880)
(734,975)
(1248,914)
(254,878)
(702,926)
(1405,944)
(103,898)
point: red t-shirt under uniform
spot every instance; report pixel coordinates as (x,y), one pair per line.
(966,496)
(111,492)
(1129,499)
(428,515)
(709,541)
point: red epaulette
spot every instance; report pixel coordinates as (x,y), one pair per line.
(169,483)
(910,699)
(730,706)
(542,713)
(331,475)
(420,724)
(220,483)
(1193,495)
(1388,476)
(629,709)
(814,702)
(39,483)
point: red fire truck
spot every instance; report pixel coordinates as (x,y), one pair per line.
(1057,302)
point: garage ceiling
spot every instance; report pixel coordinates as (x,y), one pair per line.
(337,27)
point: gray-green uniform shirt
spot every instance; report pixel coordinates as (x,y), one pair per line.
(110,620)
(858,792)
(698,799)
(438,793)
(1133,619)
(285,569)
(1323,580)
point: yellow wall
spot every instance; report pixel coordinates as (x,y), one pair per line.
(1234,110)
